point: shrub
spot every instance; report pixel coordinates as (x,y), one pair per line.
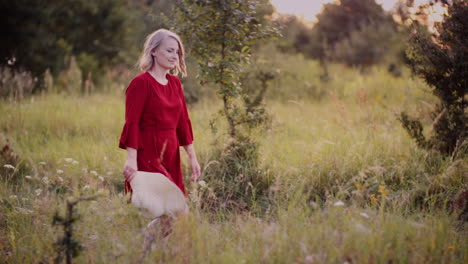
(442,61)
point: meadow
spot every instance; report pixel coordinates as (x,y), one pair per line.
(347,184)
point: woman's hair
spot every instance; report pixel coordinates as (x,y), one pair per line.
(153,41)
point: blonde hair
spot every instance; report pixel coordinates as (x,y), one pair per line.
(153,41)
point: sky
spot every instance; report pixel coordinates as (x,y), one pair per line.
(307,9)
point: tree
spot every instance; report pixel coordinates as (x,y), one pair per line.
(355,32)
(44,34)
(442,61)
(221,34)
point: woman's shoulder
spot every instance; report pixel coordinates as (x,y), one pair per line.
(140,77)
(138,83)
(173,78)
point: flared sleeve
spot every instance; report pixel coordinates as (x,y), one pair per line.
(135,97)
(184,126)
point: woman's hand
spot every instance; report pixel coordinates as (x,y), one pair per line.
(196,172)
(130,168)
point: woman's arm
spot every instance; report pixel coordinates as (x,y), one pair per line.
(190,149)
(135,99)
(130,166)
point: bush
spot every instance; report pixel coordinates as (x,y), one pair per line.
(442,61)
(15,85)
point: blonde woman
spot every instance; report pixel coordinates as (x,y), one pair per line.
(157,123)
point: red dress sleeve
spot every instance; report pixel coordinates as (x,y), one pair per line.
(135,97)
(184,126)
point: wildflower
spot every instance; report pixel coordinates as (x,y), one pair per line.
(24,199)
(93,172)
(59,171)
(361,228)
(13,196)
(314,205)
(374,200)
(75,162)
(339,203)
(60,179)
(86,187)
(28,177)
(109,173)
(45,180)
(365,215)
(359,186)
(383,191)
(101,178)
(24,210)
(93,237)
(42,163)
(38,192)
(68,160)
(202,183)
(9,166)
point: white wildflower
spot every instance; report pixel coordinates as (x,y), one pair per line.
(42,163)
(28,177)
(120,194)
(75,162)
(60,179)
(84,169)
(59,171)
(45,180)
(365,215)
(101,178)
(93,237)
(202,183)
(314,205)
(68,160)
(9,166)
(86,187)
(38,192)
(361,228)
(13,196)
(93,172)
(109,173)
(339,203)
(24,210)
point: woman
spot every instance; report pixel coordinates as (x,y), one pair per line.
(156,117)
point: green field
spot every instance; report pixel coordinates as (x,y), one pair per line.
(347,184)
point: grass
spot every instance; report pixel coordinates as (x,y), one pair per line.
(348,185)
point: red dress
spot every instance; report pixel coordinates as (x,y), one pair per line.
(156,124)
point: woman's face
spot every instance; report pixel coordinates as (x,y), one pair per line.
(166,55)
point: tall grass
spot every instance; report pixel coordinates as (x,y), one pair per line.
(347,183)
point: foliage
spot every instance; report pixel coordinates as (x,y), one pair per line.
(44,34)
(142,18)
(223,46)
(366,46)
(15,85)
(354,32)
(221,34)
(442,61)
(68,245)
